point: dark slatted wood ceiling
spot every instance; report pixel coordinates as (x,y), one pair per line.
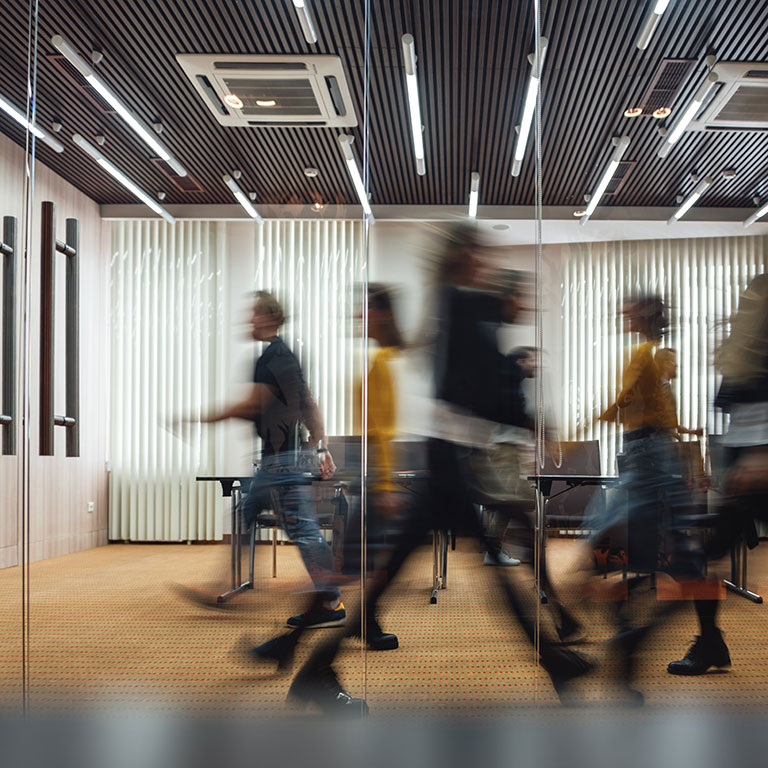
(472,75)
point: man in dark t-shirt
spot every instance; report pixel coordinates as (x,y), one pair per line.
(280,404)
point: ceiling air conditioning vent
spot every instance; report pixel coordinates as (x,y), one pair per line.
(619,178)
(670,77)
(741,102)
(250,91)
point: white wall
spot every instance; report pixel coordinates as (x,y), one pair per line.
(60,487)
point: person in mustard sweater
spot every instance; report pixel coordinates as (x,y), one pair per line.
(651,496)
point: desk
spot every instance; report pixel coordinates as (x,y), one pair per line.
(233,487)
(738,581)
(543,484)
(439,537)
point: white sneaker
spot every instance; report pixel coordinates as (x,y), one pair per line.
(503,559)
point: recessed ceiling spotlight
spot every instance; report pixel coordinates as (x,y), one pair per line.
(501,227)
(317,207)
(100,139)
(311,172)
(266,103)
(579,214)
(234,101)
(661,113)
(56,126)
(633,112)
(161,195)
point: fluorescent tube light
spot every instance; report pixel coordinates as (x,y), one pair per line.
(651,20)
(306,21)
(122,178)
(144,133)
(613,164)
(688,115)
(345,141)
(529,107)
(242,198)
(409,60)
(691,199)
(758,214)
(21,119)
(473,193)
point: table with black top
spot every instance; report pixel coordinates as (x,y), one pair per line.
(543,484)
(233,487)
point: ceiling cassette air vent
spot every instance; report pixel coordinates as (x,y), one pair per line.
(740,101)
(261,91)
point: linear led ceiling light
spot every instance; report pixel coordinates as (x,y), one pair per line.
(621,147)
(345,141)
(524,129)
(306,21)
(122,178)
(144,133)
(690,112)
(473,192)
(651,20)
(242,198)
(691,199)
(409,60)
(758,214)
(21,119)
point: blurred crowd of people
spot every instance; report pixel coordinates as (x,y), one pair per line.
(477,478)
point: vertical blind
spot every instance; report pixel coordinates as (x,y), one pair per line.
(700,279)
(166,284)
(313,268)
(169,293)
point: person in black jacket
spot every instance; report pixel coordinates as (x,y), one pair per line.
(743,394)
(469,411)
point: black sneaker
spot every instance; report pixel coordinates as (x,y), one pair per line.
(321,687)
(708,651)
(319,618)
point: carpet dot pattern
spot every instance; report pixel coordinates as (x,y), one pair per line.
(109,630)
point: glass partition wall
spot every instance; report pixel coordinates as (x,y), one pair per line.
(198,458)
(343,366)
(17,157)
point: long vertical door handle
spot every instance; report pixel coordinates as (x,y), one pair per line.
(8,407)
(48,419)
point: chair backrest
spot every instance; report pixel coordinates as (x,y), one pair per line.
(572,458)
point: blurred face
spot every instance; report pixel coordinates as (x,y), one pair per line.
(528,366)
(669,368)
(263,325)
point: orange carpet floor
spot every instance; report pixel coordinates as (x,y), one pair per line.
(108,630)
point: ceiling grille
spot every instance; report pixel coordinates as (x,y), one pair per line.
(621,175)
(670,77)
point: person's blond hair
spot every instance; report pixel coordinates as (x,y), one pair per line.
(743,356)
(270,305)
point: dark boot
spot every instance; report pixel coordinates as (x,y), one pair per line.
(280,649)
(321,687)
(379,640)
(709,650)
(375,637)
(563,666)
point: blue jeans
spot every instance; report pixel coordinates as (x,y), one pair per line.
(648,501)
(279,484)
